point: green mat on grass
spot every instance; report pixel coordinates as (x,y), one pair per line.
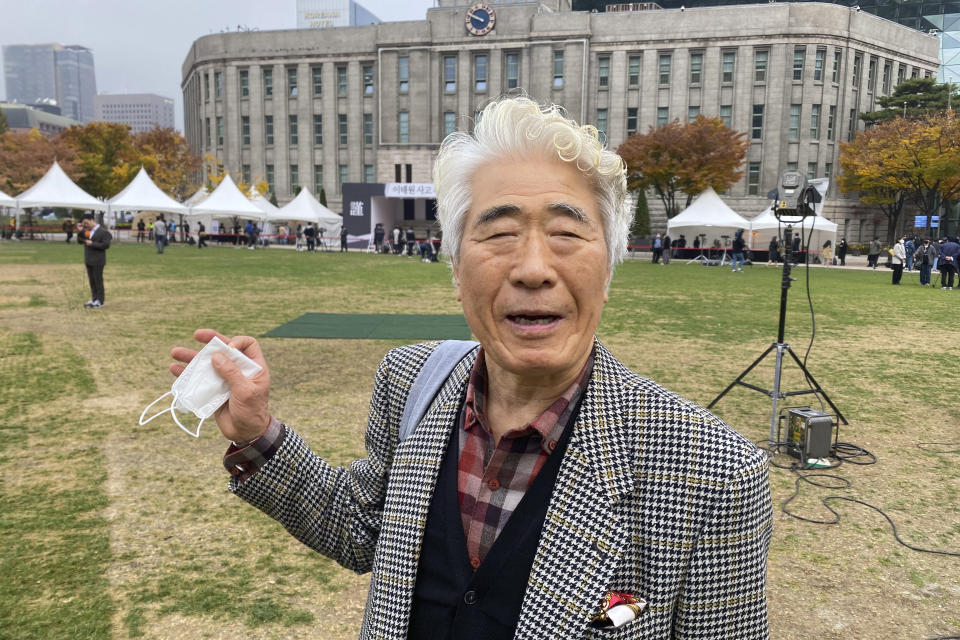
(383,326)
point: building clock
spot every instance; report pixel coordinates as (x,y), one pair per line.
(480,19)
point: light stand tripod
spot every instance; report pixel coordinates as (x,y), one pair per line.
(700,257)
(781,347)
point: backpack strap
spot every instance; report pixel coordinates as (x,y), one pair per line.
(434,373)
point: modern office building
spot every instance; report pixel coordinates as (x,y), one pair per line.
(372,104)
(43,72)
(142,111)
(323,14)
(22,118)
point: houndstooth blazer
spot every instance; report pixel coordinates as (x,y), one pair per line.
(655,497)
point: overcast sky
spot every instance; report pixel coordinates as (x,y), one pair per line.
(139,45)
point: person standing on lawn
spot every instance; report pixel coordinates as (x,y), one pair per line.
(96,241)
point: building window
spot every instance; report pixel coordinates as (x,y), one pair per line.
(603,72)
(726,115)
(342,128)
(633,70)
(480,72)
(344,175)
(760,65)
(914,73)
(368,129)
(557,69)
(692,113)
(901,72)
(696,67)
(245,130)
(245,173)
(316,74)
(664,68)
(815,121)
(818,65)
(317,178)
(811,170)
(292,128)
(727,65)
(206,88)
(244,83)
(341,81)
(294,178)
(828,170)
(791,166)
(449,73)
(857,70)
(218,83)
(756,131)
(835,75)
(513,71)
(631,121)
(831,121)
(368,176)
(403,126)
(885,88)
(219,131)
(367,72)
(292,82)
(799,54)
(852,125)
(793,129)
(449,122)
(403,73)
(317,129)
(872,75)
(268,130)
(753,178)
(602,123)
(267,82)
(270,184)
(663,116)
(207,129)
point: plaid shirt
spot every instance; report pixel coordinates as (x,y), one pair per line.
(492,479)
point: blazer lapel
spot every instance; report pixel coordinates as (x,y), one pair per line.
(413,479)
(584,530)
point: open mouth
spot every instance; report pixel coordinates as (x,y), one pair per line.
(532,320)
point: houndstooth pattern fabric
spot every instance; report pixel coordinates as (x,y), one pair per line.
(655,497)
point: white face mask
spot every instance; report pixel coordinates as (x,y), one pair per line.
(200,389)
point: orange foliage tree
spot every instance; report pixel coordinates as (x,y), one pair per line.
(25,157)
(106,156)
(166,156)
(904,159)
(684,158)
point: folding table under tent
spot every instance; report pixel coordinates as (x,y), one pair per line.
(708,215)
(306,208)
(56,189)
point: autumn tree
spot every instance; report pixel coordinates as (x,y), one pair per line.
(903,159)
(106,156)
(915,99)
(683,159)
(4,127)
(166,156)
(26,157)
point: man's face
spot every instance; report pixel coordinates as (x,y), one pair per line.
(87,223)
(533,267)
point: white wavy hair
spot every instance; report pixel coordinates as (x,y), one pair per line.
(511,127)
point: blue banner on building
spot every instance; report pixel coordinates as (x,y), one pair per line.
(920,222)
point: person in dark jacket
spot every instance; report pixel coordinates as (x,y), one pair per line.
(96,241)
(773,251)
(925,255)
(873,253)
(739,244)
(949,251)
(842,252)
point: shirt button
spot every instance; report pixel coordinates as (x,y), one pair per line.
(475,562)
(470,597)
(552,445)
(494,484)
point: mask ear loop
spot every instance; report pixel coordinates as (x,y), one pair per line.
(159,413)
(173,413)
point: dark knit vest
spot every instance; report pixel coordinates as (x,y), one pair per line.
(451,600)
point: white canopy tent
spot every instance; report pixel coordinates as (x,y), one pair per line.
(707,215)
(56,189)
(766,225)
(227,200)
(7,201)
(201,195)
(143,195)
(306,208)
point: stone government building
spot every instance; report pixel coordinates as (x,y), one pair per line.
(363,106)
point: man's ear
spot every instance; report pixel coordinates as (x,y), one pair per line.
(456,281)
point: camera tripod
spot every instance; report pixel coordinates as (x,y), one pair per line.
(781,348)
(700,257)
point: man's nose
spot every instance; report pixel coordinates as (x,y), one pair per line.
(533,264)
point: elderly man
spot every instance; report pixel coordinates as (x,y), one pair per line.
(546,484)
